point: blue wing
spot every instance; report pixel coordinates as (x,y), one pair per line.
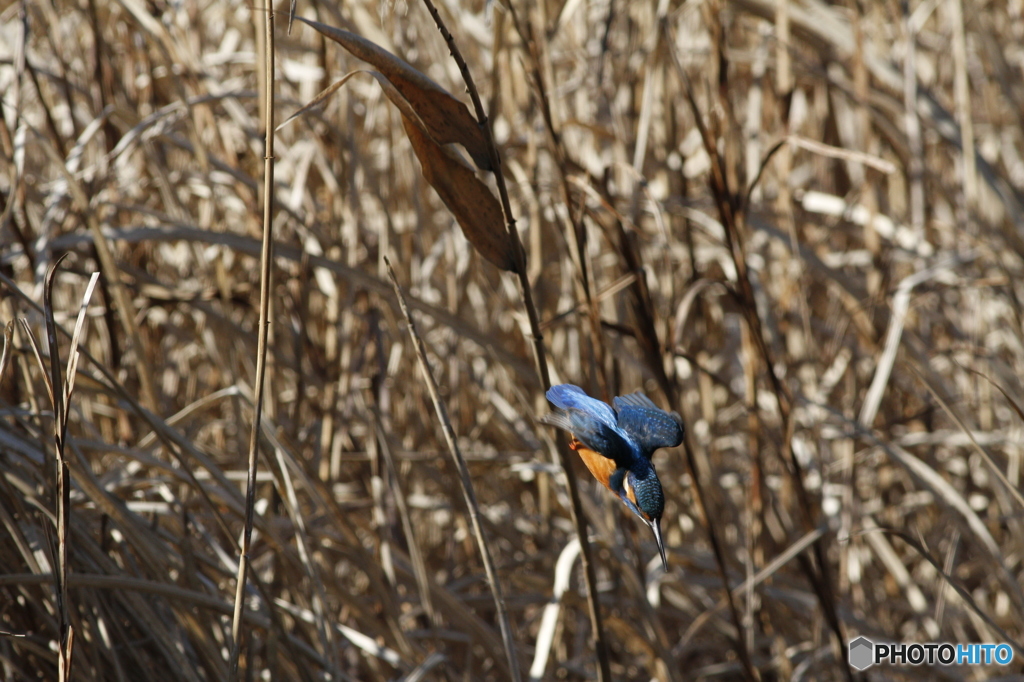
(647,424)
(591,421)
(637,399)
(567,396)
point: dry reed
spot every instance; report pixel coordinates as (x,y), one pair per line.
(799,224)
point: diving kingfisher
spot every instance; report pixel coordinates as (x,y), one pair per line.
(616,444)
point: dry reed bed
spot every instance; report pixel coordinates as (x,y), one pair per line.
(883,291)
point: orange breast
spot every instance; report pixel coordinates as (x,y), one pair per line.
(599,465)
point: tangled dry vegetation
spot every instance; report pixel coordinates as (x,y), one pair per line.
(799,225)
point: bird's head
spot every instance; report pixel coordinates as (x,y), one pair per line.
(644,490)
(645,497)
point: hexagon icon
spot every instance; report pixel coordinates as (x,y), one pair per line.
(862,653)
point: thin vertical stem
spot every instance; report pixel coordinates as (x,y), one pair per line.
(63,484)
(464,478)
(963,105)
(266,262)
(913,124)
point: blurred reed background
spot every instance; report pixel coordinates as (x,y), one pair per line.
(799,224)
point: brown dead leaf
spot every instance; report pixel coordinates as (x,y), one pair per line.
(444,118)
(469,200)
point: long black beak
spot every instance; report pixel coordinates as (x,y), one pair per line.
(656,527)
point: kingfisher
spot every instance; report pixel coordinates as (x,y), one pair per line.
(616,444)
